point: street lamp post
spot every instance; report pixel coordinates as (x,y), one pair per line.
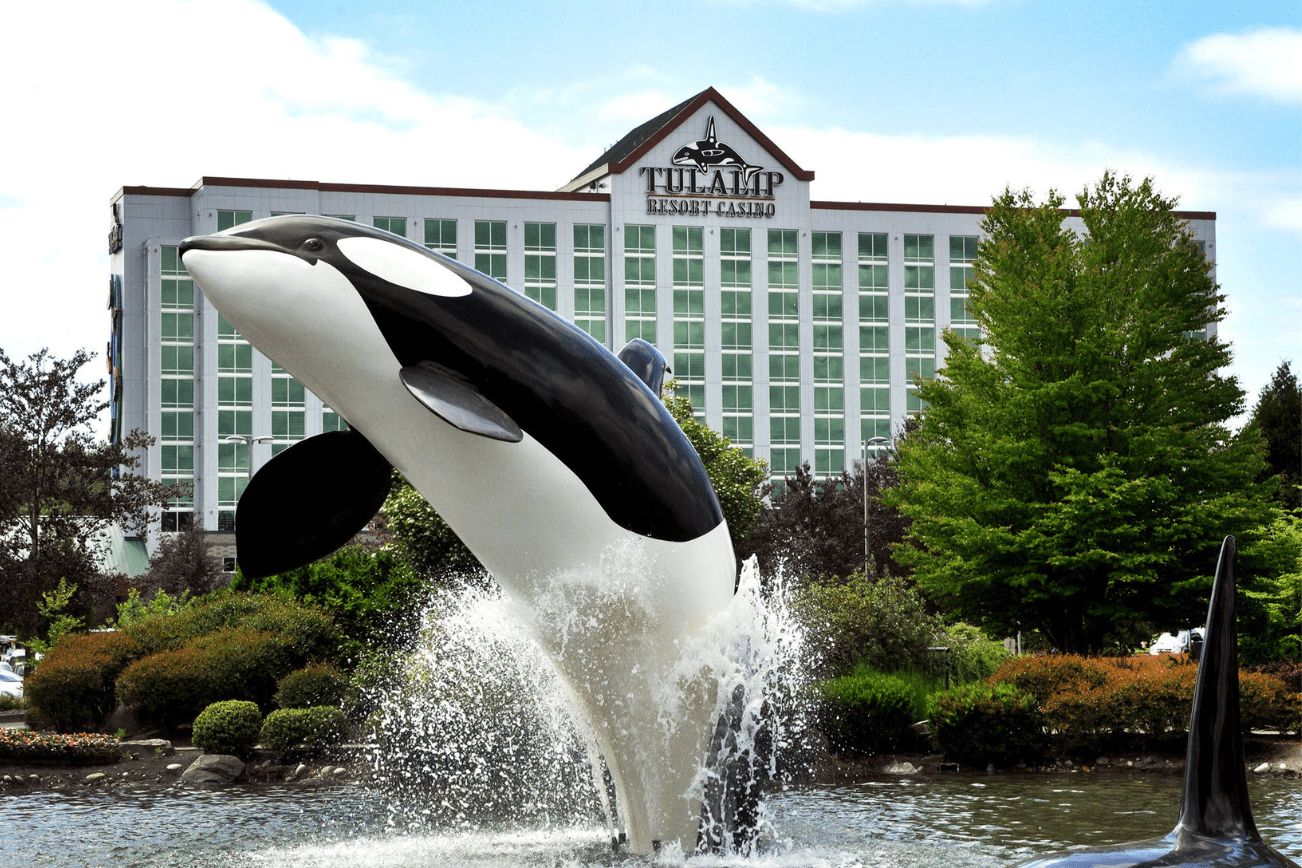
(867,552)
(249,441)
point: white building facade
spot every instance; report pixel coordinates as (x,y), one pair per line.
(798,327)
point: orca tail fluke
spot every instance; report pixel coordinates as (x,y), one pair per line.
(1215,801)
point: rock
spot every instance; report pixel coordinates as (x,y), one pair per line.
(8,780)
(213,768)
(174,767)
(990,768)
(149,745)
(341,771)
(97,776)
(1282,767)
(1102,761)
(36,779)
(299,771)
(905,768)
(1264,767)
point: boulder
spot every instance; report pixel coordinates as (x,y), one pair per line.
(905,768)
(213,768)
(150,745)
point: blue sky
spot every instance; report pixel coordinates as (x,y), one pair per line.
(887,100)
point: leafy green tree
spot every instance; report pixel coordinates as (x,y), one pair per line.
(182,565)
(1073,471)
(1278,416)
(737,478)
(1270,611)
(424,538)
(59,488)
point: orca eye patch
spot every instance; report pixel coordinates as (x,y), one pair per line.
(404,267)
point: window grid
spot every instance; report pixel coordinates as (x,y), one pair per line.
(689,315)
(962,253)
(176,333)
(490,248)
(288,410)
(919,315)
(736,328)
(540,263)
(396,225)
(590,279)
(640,283)
(231,219)
(441,236)
(234,417)
(828,355)
(784,352)
(874,336)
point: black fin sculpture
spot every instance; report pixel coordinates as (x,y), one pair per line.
(1215,829)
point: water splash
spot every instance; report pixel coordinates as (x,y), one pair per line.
(575,710)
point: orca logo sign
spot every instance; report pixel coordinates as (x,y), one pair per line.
(708,174)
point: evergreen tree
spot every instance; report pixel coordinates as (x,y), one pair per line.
(1073,471)
(1278,417)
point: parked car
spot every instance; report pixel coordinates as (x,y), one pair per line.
(11,684)
(1176,643)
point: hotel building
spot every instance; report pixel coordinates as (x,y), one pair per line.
(798,326)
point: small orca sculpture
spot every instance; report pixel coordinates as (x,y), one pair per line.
(710,153)
(544,451)
(1215,829)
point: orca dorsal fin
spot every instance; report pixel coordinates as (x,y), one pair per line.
(459,403)
(1215,801)
(709,130)
(308,501)
(647,362)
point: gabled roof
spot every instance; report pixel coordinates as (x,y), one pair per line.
(623,154)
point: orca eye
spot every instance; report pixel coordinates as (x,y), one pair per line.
(314,245)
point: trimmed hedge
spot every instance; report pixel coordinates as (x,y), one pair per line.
(308,628)
(304,731)
(72,689)
(867,712)
(79,748)
(229,727)
(984,723)
(314,684)
(171,688)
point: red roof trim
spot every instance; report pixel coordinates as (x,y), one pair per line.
(701,99)
(961,209)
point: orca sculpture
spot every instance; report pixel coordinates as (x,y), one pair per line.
(710,153)
(1215,829)
(543,451)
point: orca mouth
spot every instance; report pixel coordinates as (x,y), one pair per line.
(228,242)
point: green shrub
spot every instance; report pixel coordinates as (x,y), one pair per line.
(983,723)
(304,731)
(1266,702)
(307,628)
(12,703)
(973,656)
(79,748)
(314,684)
(868,712)
(884,624)
(172,687)
(72,689)
(229,727)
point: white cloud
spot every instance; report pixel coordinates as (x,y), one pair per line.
(1266,63)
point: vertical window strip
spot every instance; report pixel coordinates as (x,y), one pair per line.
(590,279)
(962,253)
(540,263)
(828,355)
(288,410)
(784,352)
(640,283)
(234,417)
(736,327)
(874,338)
(176,334)
(490,248)
(689,315)
(919,315)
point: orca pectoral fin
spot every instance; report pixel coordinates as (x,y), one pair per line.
(459,403)
(647,362)
(308,501)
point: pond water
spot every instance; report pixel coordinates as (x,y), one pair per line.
(951,821)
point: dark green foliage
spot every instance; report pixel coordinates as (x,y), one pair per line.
(1270,597)
(1278,417)
(72,689)
(736,477)
(867,712)
(884,624)
(182,564)
(815,528)
(1073,471)
(982,723)
(308,628)
(314,684)
(229,727)
(373,595)
(972,655)
(424,538)
(304,731)
(53,478)
(171,687)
